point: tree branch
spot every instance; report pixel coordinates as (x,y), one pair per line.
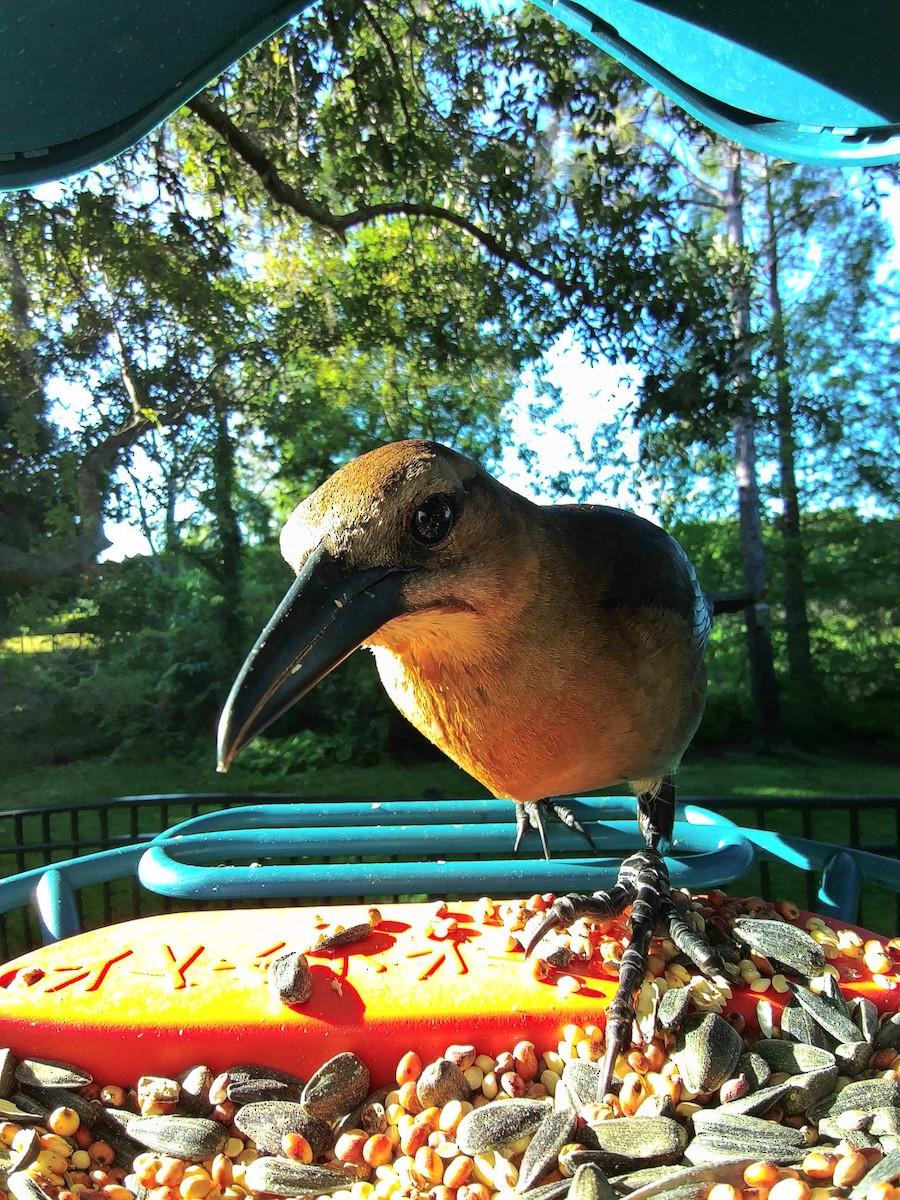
(252,153)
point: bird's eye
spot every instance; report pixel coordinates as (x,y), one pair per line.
(432,520)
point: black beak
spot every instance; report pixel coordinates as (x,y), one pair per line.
(327,613)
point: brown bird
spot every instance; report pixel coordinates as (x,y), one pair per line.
(548,650)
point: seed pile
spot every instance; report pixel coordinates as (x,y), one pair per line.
(701,1108)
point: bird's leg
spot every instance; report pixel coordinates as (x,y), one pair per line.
(530,815)
(643,881)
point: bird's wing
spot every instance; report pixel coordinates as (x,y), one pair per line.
(640,565)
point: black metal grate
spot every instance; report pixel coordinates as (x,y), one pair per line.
(32,838)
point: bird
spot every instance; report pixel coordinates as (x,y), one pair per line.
(548,650)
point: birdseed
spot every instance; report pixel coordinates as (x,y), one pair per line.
(808,1111)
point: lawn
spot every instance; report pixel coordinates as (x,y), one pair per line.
(733,774)
(78,784)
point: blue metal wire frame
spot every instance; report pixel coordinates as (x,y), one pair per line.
(708,850)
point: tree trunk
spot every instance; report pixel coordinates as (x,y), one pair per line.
(800,664)
(763,682)
(228,529)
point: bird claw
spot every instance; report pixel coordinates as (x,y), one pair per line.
(530,815)
(643,882)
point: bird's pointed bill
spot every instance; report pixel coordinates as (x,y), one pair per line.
(326,614)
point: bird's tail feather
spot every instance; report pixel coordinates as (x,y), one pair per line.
(730,602)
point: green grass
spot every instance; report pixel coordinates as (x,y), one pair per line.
(73,785)
(732,774)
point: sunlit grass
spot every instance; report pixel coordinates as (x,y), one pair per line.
(46,643)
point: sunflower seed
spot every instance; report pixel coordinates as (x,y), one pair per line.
(23,1187)
(195,1084)
(48,1073)
(859,1139)
(282,1177)
(555,1131)
(806,1090)
(785,946)
(798,1026)
(888,1035)
(590,1183)
(248,1083)
(830,989)
(687,1181)
(557,1190)
(755,1069)
(266,1122)
(358,1118)
(346,937)
(864,1094)
(672,1008)
(496,1125)
(339,1085)
(26,1151)
(710,1148)
(864,1014)
(10,1111)
(706,1052)
(885,1120)
(826,1013)
(440,1082)
(852,1057)
(7,1073)
(582,1081)
(757,1102)
(754,1129)
(254,1091)
(653,1141)
(290,979)
(793,1057)
(190,1138)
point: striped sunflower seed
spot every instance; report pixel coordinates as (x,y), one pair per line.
(195,1084)
(672,1008)
(339,1085)
(267,1121)
(798,1026)
(886,1171)
(23,1187)
(754,1129)
(282,1177)
(706,1052)
(48,1073)
(624,1141)
(826,1013)
(555,1131)
(590,1183)
(864,1014)
(864,1094)
(784,945)
(7,1073)
(684,1182)
(190,1138)
(498,1124)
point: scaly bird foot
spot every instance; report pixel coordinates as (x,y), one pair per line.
(643,882)
(530,815)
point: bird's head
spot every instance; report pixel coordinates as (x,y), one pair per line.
(406,535)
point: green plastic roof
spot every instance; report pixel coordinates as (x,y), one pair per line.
(815,81)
